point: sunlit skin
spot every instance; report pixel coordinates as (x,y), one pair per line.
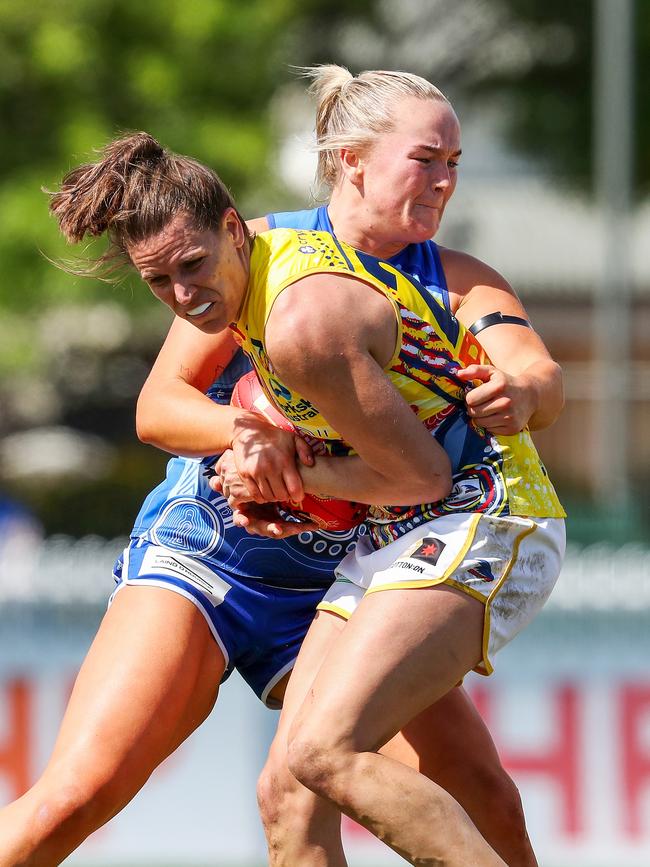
(409,173)
(200,274)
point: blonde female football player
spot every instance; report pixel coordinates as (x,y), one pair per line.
(329,321)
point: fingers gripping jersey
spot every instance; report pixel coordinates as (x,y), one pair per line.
(492,474)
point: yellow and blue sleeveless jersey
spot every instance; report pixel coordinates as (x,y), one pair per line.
(491,474)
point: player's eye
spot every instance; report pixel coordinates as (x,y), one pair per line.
(156,280)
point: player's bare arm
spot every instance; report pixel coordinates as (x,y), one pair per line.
(347,334)
(176,415)
(173,411)
(523,385)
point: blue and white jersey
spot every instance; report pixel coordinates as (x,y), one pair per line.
(419,261)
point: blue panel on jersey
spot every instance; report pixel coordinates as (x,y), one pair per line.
(309,219)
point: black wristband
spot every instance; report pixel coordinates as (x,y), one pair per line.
(497,319)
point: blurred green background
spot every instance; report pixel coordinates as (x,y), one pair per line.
(214,79)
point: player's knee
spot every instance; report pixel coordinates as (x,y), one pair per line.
(282,798)
(507,807)
(274,784)
(315,766)
(494,786)
(66,807)
(78,802)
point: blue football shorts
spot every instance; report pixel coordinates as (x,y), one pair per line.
(258,627)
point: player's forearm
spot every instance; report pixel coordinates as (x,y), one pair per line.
(543,379)
(182,420)
(350,478)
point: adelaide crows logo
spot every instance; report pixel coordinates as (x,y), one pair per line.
(482,570)
(480,488)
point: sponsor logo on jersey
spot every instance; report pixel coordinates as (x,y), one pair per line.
(160,561)
(406,564)
(429,550)
(279,390)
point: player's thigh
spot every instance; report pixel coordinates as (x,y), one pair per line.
(447,741)
(287,808)
(150,677)
(401,651)
(320,638)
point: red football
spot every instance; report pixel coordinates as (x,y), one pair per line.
(328,512)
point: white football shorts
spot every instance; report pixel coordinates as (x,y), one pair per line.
(510,564)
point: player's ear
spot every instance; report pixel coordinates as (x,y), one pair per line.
(232,223)
(351,165)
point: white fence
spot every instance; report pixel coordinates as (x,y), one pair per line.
(61,571)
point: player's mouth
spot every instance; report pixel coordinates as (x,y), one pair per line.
(195,312)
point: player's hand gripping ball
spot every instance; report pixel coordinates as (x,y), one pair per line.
(327,512)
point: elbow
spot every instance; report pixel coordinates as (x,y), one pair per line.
(145,433)
(441,485)
(144,428)
(437,483)
(442,478)
(435,486)
(560,389)
(556,377)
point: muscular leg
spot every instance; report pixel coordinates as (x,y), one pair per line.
(301,828)
(150,678)
(401,652)
(449,743)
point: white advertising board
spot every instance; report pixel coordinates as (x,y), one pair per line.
(569,712)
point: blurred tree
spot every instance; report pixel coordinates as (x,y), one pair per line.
(199,74)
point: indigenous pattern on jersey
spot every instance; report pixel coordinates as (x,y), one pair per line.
(491,474)
(185,516)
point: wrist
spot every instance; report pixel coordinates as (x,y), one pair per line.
(242,422)
(529,385)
